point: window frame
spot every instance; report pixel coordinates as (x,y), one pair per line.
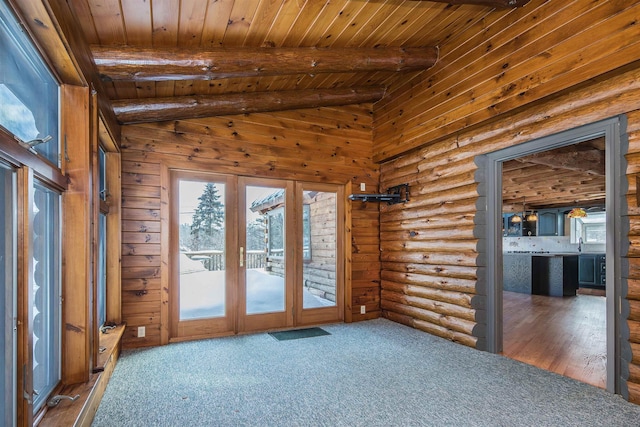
(40,71)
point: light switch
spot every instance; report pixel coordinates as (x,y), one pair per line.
(363,186)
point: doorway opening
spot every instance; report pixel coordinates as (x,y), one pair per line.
(553,249)
(549,268)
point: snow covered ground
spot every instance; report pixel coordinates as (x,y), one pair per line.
(202,292)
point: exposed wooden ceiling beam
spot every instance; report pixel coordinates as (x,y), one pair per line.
(187,107)
(140,64)
(585,159)
(500,4)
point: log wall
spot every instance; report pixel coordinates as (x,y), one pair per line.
(577,65)
(328,145)
(428,248)
(319,271)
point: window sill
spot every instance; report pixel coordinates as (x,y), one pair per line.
(82,411)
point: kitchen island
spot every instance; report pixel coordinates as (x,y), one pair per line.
(537,273)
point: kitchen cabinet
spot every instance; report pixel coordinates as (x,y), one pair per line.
(550,222)
(523,228)
(592,270)
(510,228)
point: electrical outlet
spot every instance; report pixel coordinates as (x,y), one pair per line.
(141,331)
(363,309)
(363,186)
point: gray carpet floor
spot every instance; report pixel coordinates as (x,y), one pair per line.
(374,373)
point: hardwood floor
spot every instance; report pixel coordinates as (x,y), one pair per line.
(566,335)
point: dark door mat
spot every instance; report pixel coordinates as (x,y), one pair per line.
(299,333)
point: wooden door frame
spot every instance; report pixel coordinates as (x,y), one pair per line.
(268,321)
(489,177)
(204,328)
(325,314)
(169,271)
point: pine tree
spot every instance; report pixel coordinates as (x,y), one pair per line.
(208,220)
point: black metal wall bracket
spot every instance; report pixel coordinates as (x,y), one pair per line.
(395,194)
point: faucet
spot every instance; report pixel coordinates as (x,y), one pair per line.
(580,244)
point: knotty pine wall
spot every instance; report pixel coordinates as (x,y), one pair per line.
(505,62)
(328,145)
(580,64)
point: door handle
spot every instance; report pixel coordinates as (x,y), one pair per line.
(241,256)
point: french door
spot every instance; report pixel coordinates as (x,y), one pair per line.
(253,254)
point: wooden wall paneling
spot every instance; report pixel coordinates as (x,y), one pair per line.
(141,278)
(365,276)
(165,272)
(77,236)
(334,146)
(348,255)
(528,77)
(469,56)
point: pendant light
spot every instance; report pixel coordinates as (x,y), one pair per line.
(517,218)
(577,213)
(532,216)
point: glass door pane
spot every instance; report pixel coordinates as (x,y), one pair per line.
(8,307)
(202,243)
(45,288)
(319,248)
(320,278)
(265,249)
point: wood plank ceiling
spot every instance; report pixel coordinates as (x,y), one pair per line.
(234,27)
(408,32)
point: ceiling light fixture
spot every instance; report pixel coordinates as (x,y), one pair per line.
(577,213)
(517,218)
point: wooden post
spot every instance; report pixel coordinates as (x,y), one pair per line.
(77,277)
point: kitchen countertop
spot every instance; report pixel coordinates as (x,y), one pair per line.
(550,254)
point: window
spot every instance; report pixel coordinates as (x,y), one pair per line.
(306,232)
(31,307)
(101,296)
(29,95)
(101,284)
(592,228)
(275,226)
(45,288)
